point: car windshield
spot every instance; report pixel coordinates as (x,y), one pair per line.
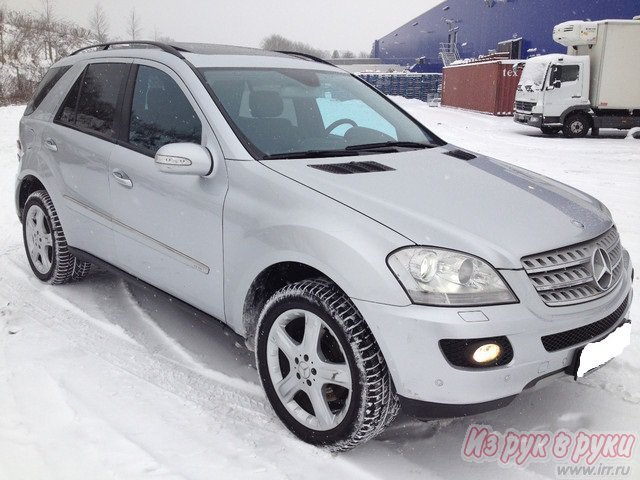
(296,113)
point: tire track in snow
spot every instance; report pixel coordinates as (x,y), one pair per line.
(237,407)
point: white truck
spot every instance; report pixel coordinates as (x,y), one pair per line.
(595,85)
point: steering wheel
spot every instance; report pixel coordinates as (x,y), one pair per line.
(342,121)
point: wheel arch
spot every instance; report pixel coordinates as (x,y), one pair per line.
(576,109)
(266,283)
(28,184)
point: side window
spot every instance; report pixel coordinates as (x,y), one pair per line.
(160,112)
(44,87)
(569,73)
(565,73)
(92,101)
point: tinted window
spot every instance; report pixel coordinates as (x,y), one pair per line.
(45,86)
(67,112)
(92,101)
(99,97)
(160,112)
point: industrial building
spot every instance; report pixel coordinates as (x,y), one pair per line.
(459,29)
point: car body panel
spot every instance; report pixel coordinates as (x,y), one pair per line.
(437,200)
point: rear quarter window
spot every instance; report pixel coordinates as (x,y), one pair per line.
(45,86)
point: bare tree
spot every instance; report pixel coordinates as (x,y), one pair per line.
(99,24)
(133,25)
(364,54)
(47,18)
(3,20)
(335,54)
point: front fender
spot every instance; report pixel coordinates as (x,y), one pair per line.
(270,219)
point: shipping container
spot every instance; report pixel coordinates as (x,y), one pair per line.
(488,87)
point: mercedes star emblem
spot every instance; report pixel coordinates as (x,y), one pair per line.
(601,268)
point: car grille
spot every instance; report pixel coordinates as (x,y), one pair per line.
(525,106)
(559,341)
(565,276)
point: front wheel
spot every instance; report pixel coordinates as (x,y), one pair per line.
(321,367)
(576,125)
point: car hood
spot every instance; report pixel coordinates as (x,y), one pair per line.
(481,206)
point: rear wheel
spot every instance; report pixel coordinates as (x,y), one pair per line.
(576,125)
(321,368)
(45,243)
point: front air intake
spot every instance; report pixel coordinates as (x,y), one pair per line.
(352,167)
(461,154)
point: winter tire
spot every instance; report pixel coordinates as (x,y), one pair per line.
(576,125)
(321,367)
(45,243)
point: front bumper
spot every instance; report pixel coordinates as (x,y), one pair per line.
(408,337)
(531,119)
(535,119)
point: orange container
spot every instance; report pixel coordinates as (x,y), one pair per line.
(488,87)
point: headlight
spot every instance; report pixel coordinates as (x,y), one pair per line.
(434,276)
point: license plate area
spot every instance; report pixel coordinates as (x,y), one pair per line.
(594,355)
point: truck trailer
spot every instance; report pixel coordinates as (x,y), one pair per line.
(595,85)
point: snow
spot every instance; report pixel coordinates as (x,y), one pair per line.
(102,379)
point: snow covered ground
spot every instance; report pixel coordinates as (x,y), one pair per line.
(103,379)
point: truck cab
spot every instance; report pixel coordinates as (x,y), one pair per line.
(550,88)
(594,85)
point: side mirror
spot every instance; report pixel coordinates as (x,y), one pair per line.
(184,159)
(557,84)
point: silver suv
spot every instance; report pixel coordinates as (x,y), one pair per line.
(370,264)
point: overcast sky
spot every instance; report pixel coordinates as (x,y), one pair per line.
(325,24)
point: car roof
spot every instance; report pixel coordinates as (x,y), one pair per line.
(201,55)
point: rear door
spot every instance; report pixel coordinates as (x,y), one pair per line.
(168,228)
(81,139)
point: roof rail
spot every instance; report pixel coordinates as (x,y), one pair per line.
(162,46)
(307,56)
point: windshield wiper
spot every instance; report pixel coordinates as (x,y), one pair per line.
(311,154)
(374,146)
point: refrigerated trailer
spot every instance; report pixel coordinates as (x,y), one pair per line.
(596,84)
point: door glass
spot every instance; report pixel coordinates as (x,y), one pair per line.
(160,112)
(92,102)
(569,73)
(67,112)
(99,97)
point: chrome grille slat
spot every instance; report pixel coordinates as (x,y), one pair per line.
(564,276)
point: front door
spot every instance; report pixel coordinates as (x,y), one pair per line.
(563,89)
(167,228)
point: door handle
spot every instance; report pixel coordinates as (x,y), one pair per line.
(122,178)
(50,143)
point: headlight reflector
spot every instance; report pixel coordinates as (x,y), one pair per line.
(435,276)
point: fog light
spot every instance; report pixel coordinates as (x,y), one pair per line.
(486,353)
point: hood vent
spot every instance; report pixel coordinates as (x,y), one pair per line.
(461,154)
(352,167)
